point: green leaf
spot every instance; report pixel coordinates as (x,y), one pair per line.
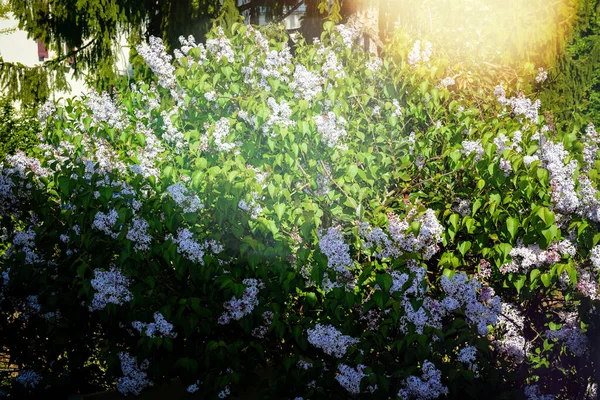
(512,224)
(279,210)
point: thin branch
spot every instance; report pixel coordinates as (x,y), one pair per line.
(289,12)
(338,186)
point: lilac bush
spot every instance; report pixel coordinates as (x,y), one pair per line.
(323,223)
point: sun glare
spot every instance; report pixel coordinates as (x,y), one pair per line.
(490,29)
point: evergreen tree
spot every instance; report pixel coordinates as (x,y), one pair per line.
(84,33)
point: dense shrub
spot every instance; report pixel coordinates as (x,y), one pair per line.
(323,225)
(18,129)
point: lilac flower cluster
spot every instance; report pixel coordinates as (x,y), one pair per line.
(331,128)
(401,238)
(427,387)
(135,378)
(138,234)
(29,378)
(562,182)
(238,308)
(462,207)
(463,292)
(189,202)
(105,110)
(156,57)
(111,288)
(106,223)
(170,133)
(587,284)
(220,47)
(532,392)
(330,340)
(262,330)
(190,248)
(21,163)
(194,387)
(280,116)
(513,344)
(220,133)
(159,326)
(532,256)
(350,378)
(252,206)
(591,140)
(338,255)
(419,55)
(571,334)
(447,81)
(25,240)
(468,355)
(541,75)
(520,105)
(306,85)
(472,146)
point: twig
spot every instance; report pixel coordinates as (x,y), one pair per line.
(338,186)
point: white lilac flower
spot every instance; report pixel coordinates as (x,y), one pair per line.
(427,387)
(562,181)
(194,387)
(331,128)
(306,84)
(155,55)
(348,33)
(330,340)
(571,334)
(159,326)
(462,291)
(418,54)
(474,146)
(589,206)
(170,133)
(524,107)
(532,392)
(468,355)
(528,160)
(332,67)
(135,378)
(447,81)
(591,140)
(332,245)
(541,75)
(220,133)
(397,111)
(25,240)
(262,330)
(252,206)
(105,110)
(106,223)
(462,207)
(190,248)
(587,284)
(350,378)
(189,202)
(111,288)
(224,393)
(238,308)
(302,364)
(21,163)
(29,379)
(512,344)
(280,116)
(138,234)
(220,47)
